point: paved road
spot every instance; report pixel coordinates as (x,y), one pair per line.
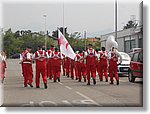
(68,92)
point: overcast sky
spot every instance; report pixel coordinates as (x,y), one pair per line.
(96,18)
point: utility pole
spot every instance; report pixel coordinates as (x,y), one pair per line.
(45,33)
(116,20)
(85,39)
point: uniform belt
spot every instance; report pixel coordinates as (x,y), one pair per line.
(27,62)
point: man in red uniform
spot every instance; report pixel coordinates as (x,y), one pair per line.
(103,65)
(63,65)
(72,68)
(81,66)
(67,66)
(91,57)
(21,61)
(40,57)
(113,66)
(56,64)
(27,67)
(49,62)
(2,65)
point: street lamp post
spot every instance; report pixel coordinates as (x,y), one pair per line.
(85,38)
(45,33)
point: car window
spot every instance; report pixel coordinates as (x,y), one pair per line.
(140,58)
(135,57)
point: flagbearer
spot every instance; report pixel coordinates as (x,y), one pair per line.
(56,64)
(91,58)
(40,57)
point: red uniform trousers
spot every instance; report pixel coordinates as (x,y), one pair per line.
(63,66)
(56,71)
(49,68)
(28,73)
(81,70)
(113,68)
(76,72)
(56,65)
(91,70)
(3,66)
(67,66)
(103,68)
(41,69)
(72,68)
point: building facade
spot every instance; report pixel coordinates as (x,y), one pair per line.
(126,39)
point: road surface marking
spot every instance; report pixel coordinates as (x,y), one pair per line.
(66,102)
(68,87)
(87,98)
(60,83)
(47,103)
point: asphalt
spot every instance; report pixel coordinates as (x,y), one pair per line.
(68,92)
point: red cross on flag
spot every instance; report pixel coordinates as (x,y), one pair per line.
(65,48)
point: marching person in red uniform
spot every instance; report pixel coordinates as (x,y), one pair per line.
(91,58)
(63,65)
(72,68)
(40,57)
(27,67)
(76,69)
(2,65)
(103,65)
(49,62)
(113,65)
(67,66)
(56,64)
(21,60)
(81,66)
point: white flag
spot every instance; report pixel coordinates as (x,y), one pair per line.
(65,48)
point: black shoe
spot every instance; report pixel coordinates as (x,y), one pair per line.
(101,80)
(111,82)
(94,81)
(30,85)
(58,79)
(45,85)
(54,80)
(106,80)
(37,86)
(88,83)
(79,80)
(25,86)
(76,78)
(84,79)
(117,82)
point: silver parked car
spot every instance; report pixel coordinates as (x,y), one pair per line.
(125,65)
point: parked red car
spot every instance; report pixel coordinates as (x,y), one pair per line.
(136,66)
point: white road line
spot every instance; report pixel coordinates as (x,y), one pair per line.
(66,102)
(68,87)
(87,98)
(60,83)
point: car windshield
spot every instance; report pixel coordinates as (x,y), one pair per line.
(125,57)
